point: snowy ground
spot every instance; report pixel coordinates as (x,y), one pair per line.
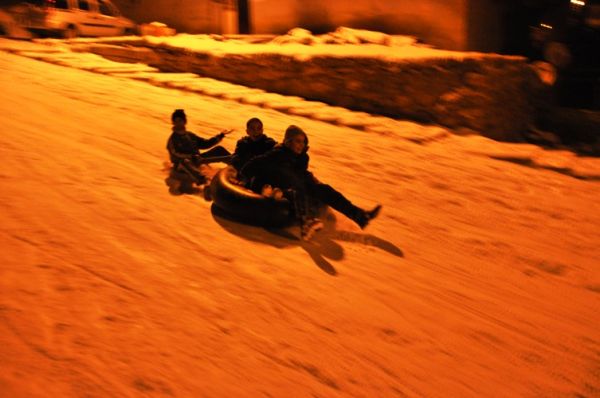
(480,278)
(57,52)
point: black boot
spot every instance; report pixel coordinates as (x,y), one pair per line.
(362,217)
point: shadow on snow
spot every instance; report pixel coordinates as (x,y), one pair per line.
(321,248)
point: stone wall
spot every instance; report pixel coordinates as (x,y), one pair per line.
(490,94)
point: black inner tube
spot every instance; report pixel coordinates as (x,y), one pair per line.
(245,205)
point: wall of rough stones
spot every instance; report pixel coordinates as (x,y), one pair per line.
(490,94)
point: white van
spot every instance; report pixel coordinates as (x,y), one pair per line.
(72,18)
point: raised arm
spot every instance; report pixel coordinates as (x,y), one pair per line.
(204,143)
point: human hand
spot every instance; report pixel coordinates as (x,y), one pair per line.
(226,132)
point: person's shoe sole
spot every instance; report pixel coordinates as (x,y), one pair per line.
(369,215)
(311,229)
(374,213)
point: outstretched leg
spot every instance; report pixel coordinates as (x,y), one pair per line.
(328,195)
(219,153)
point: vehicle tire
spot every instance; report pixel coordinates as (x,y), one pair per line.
(245,205)
(71,32)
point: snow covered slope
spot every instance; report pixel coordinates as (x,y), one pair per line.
(480,278)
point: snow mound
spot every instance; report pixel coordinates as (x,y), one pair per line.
(156,29)
(344,35)
(297,36)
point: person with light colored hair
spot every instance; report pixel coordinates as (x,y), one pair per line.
(286,167)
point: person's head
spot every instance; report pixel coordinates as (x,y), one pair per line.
(295,139)
(179,119)
(254,128)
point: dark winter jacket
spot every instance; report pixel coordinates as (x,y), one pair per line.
(187,145)
(247,148)
(280,167)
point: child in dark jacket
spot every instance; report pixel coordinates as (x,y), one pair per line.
(286,167)
(254,144)
(184,149)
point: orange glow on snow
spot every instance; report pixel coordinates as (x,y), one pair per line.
(480,277)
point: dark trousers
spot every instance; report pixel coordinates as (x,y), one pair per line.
(306,201)
(190,168)
(191,172)
(217,151)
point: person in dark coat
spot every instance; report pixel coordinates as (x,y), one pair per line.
(253,144)
(286,167)
(184,149)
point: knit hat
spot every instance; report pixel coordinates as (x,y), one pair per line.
(293,131)
(178,113)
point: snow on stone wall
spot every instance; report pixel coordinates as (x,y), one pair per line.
(491,94)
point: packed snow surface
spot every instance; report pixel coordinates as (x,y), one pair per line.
(479,279)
